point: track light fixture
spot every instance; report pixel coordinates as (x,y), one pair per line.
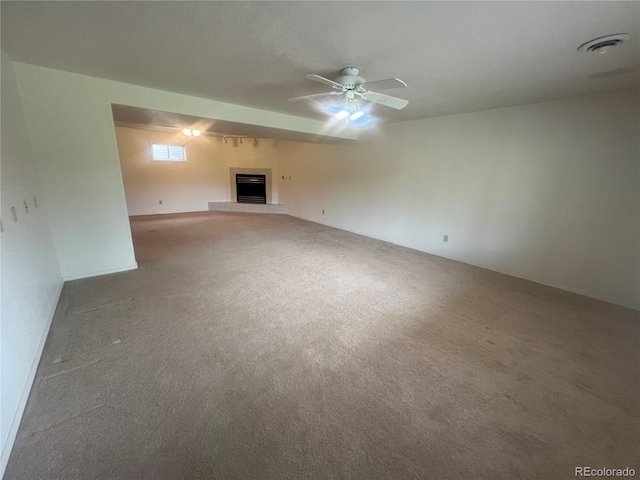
(238,139)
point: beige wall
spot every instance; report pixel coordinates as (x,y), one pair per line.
(186,186)
(549,192)
(30,278)
(70,126)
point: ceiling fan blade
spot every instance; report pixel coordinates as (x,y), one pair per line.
(326,81)
(315,95)
(386,100)
(386,84)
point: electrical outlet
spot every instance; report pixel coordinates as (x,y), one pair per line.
(445,238)
(160,202)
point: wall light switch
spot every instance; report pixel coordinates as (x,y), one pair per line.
(445,238)
(323,212)
(160,202)
(283,177)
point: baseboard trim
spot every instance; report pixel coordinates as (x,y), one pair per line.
(156,214)
(101,272)
(15,424)
(486,267)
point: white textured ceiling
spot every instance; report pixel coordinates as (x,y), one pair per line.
(455,56)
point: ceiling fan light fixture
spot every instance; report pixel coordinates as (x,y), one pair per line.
(352,87)
(356,115)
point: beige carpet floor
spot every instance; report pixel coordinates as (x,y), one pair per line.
(267,347)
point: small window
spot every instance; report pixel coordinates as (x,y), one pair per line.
(168,153)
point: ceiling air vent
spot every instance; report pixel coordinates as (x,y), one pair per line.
(604,44)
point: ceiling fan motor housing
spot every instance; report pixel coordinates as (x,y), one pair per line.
(350,78)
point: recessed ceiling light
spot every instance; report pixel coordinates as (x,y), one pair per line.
(196,133)
(604,44)
(187,131)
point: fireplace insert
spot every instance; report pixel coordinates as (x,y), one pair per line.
(251,188)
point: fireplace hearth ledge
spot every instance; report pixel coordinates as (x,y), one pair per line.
(247,207)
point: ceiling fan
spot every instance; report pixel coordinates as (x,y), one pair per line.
(351,85)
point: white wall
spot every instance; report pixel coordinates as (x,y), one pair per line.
(73,137)
(30,278)
(186,186)
(548,192)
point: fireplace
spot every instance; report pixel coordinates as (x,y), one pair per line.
(251,188)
